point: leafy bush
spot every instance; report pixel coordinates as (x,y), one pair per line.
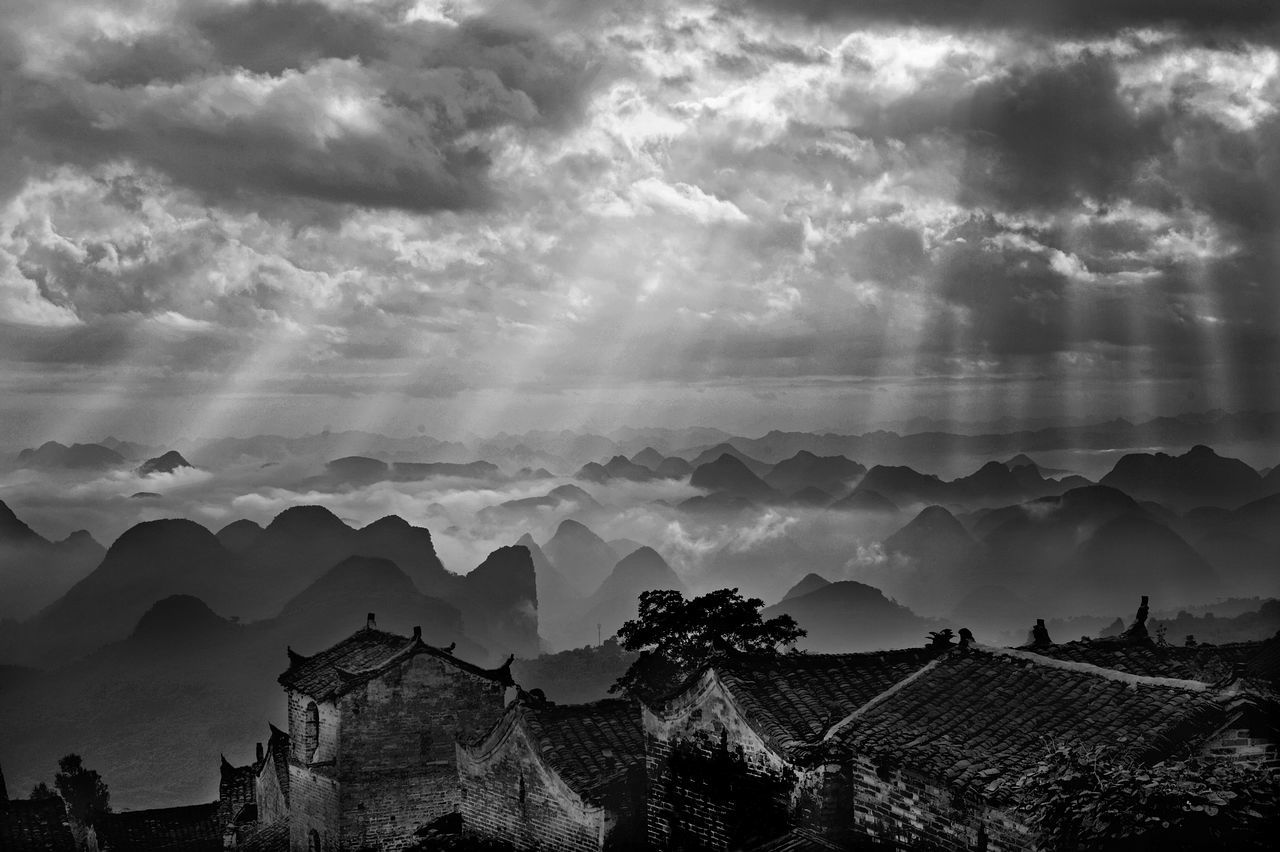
(1092,799)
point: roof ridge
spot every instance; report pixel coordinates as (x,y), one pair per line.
(837,726)
(1095,670)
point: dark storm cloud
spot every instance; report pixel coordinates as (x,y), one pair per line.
(1051,136)
(1205,19)
(257,104)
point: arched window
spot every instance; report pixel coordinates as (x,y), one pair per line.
(311,731)
(314,841)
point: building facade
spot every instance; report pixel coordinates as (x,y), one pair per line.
(557,777)
(372,726)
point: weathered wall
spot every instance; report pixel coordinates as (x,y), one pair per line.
(713,782)
(269,795)
(396,763)
(900,809)
(329,731)
(509,796)
(313,805)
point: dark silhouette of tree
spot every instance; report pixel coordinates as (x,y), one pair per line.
(42,791)
(676,637)
(1091,799)
(82,789)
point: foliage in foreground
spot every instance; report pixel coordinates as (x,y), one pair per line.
(1091,799)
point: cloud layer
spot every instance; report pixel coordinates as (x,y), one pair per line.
(222,215)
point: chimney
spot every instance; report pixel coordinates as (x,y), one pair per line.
(1040,635)
(258,752)
(417,633)
(370,622)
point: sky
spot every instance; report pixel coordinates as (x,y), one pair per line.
(225,217)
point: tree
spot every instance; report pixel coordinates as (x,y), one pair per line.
(1092,799)
(82,789)
(676,637)
(42,791)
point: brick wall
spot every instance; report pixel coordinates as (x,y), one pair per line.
(713,783)
(510,796)
(325,747)
(313,806)
(894,808)
(396,762)
(269,795)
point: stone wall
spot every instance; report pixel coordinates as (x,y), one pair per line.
(510,796)
(396,765)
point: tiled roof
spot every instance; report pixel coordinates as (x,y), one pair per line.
(364,655)
(35,825)
(272,838)
(981,717)
(586,744)
(1206,663)
(792,699)
(193,828)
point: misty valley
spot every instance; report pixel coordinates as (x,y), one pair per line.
(149,594)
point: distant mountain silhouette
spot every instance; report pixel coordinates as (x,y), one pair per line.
(556,598)
(620,467)
(239,536)
(414,471)
(617,598)
(866,500)
(166,463)
(35,571)
(994,483)
(1130,556)
(757,467)
(674,468)
(1243,545)
(593,472)
(358,469)
(1026,544)
(648,457)
(728,474)
(149,562)
(716,503)
(1197,477)
(624,546)
(327,608)
(944,560)
(903,486)
(851,616)
(832,474)
(180,620)
(810,496)
(51,455)
(499,602)
(581,556)
(808,583)
(565,498)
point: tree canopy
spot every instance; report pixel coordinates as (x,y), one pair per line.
(82,789)
(1091,799)
(675,636)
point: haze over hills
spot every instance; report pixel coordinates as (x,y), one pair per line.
(304,548)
